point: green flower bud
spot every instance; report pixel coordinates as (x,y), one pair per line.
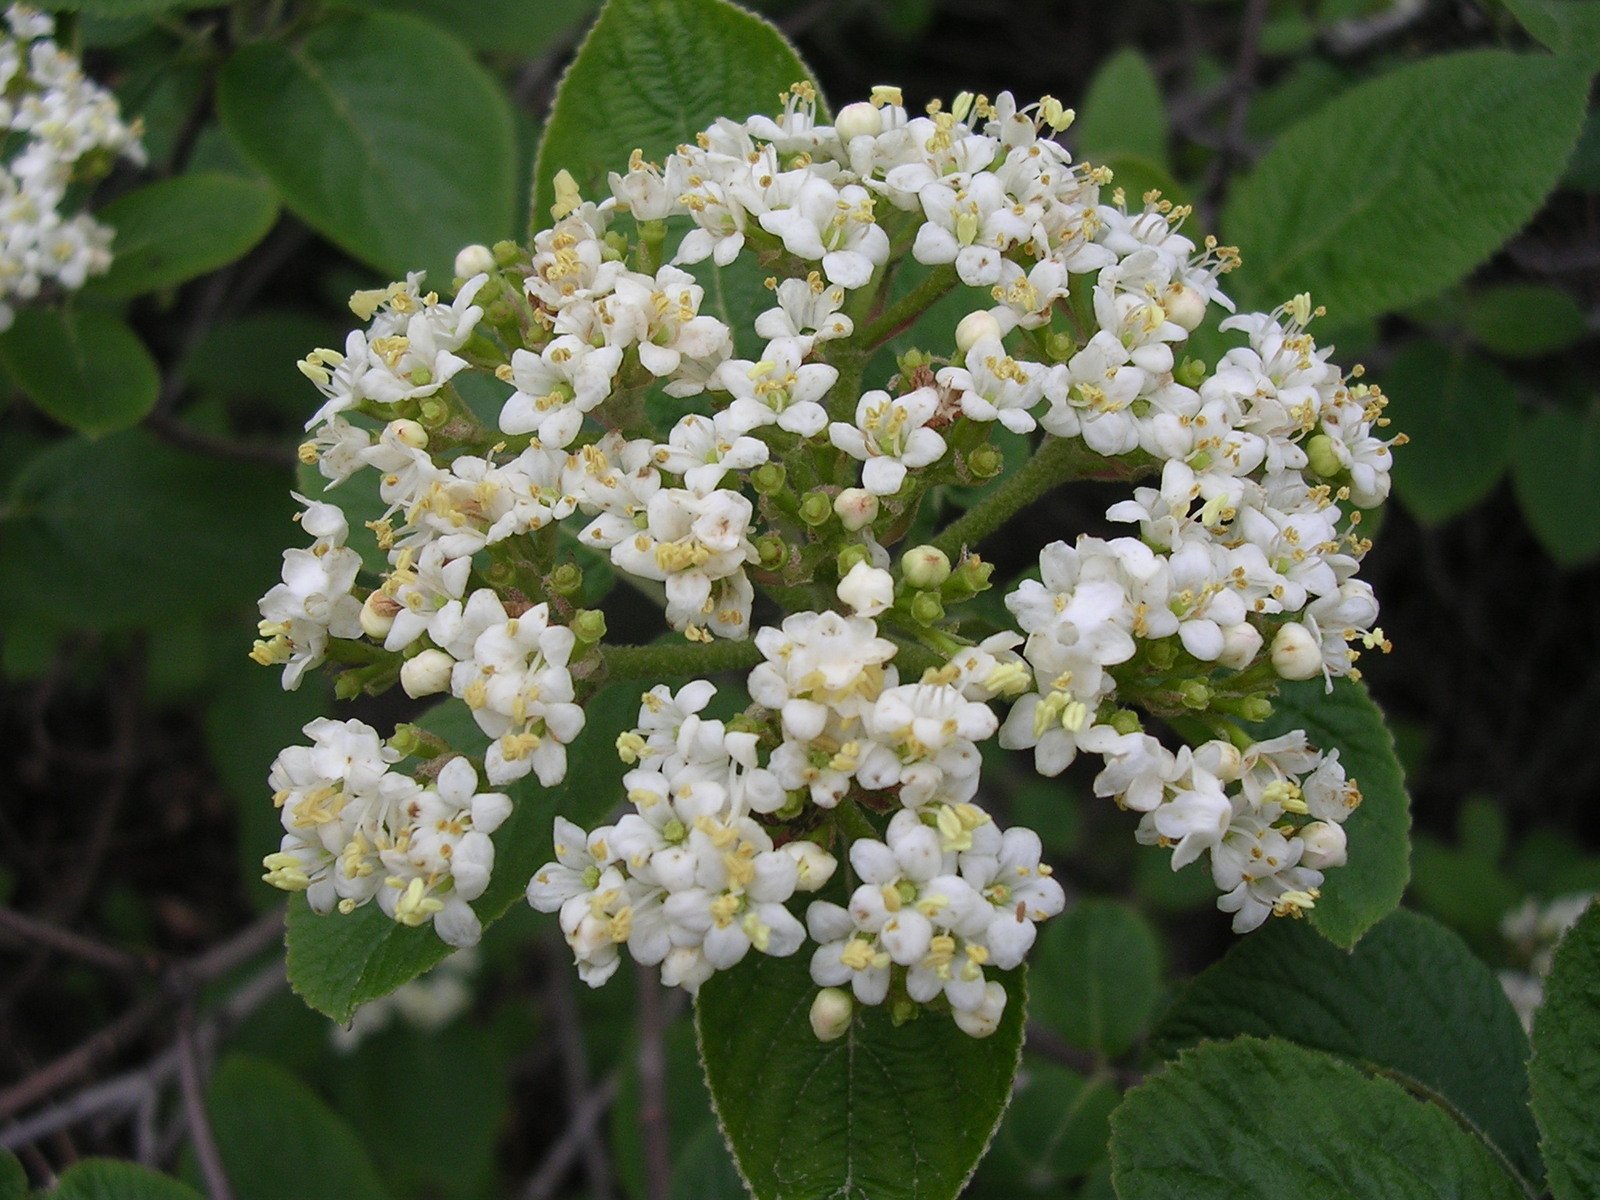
(1191,372)
(850,556)
(774,551)
(1060,346)
(433,413)
(348,686)
(407,740)
(971,576)
(793,804)
(985,462)
(816,508)
(903,1009)
(1194,694)
(1324,459)
(910,362)
(925,566)
(506,253)
(1161,654)
(767,479)
(566,580)
(1126,721)
(588,625)
(927,608)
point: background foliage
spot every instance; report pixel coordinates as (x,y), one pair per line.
(1429,169)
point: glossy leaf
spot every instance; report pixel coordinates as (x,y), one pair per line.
(1123,113)
(1525,320)
(86,369)
(106,1179)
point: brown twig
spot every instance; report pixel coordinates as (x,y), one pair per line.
(580,1132)
(575,1074)
(653,1085)
(1243,88)
(21,928)
(192,1089)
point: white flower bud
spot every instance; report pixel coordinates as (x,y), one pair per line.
(868,590)
(980,1022)
(830,1014)
(1325,845)
(856,508)
(377,616)
(474,260)
(409,433)
(427,674)
(1185,306)
(858,120)
(1240,645)
(974,327)
(1295,653)
(813,865)
(925,566)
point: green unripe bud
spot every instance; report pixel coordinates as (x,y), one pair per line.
(433,412)
(910,362)
(499,312)
(1253,708)
(506,253)
(1191,372)
(566,580)
(773,551)
(985,462)
(927,608)
(616,245)
(1161,654)
(903,1009)
(407,740)
(348,686)
(1059,346)
(816,508)
(767,479)
(588,625)
(793,804)
(971,575)
(850,556)
(1126,721)
(925,566)
(1194,694)
(502,575)
(1324,459)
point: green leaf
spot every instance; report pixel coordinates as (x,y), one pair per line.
(1097,976)
(1123,113)
(883,1113)
(704,1171)
(277,1137)
(1055,1130)
(174,230)
(1400,1002)
(1395,190)
(1268,1120)
(383,134)
(1361,893)
(651,75)
(1525,320)
(339,962)
(107,1179)
(1566,1063)
(508,28)
(86,369)
(1565,26)
(1555,469)
(13,1180)
(1458,412)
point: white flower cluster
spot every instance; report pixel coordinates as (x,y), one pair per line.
(1533,931)
(355,831)
(64,127)
(617,412)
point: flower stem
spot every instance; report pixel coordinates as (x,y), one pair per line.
(909,307)
(1055,462)
(672,659)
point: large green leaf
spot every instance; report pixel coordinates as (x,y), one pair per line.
(339,962)
(176,229)
(1458,412)
(1268,1120)
(885,1112)
(1123,113)
(1566,26)
(651,75)
(1555,468)
(1400,1002)
(1525,320)
(1097,976)
(279,1141)
(86,369)
(382,133)
(107,1179)
(1366,889)
(500,27)
(1055,1130)
(1396,189)
(13,1180)
(1566,1063)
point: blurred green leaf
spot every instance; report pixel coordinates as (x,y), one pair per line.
(1361,893)
(1458,412)
(105,1179)
(1565,26)
(1097,972)
(279,1141)
(1481,828)
(13,1180)
(1200,1130)
(1055,1130)
(383,134)
(878,1114)
(85,368)
(1525,320)
(174,230)
(1396,189)
(1583,168)
(1400,1002)
(1123,114)
(704,1171)
(253,358)
(1466,891)
(651,75)
(1566,1063)
(509,28)
(1555,468)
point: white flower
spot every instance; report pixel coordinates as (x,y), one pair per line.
(777,390)
(994,386)
(835,225)
(867,590)
(704,449)
(807,314)
(890,436)
(556,387)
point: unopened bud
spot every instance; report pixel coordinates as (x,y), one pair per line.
(925,566)
(427,674)
(1325,844)
(985,1019)
(1295,653)
(813,865)
(1323,455)
(986,461)
(816,508)
(868,590)
(1185,306)
(857,120)
(348,686)
(377,616)
(433,412)
(1194,694)
(1060,346)
(474,260)
(1240,645)
(927,608)
(566,580)
(506,252)
(1126,721)
(857,508)
(974,327)
(588,625)
(409,433)
(772,550)
(971,575)
(831,1011)
(1191,372)
(850,556)
(767,479)
(406,740)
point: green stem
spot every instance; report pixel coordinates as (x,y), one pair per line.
(695,659)
(852,822)
(1055,462)
(909,307)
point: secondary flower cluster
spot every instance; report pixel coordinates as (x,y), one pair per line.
(582,407)
(65,128)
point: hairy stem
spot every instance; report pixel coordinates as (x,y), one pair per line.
(679,658)
(909,307)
